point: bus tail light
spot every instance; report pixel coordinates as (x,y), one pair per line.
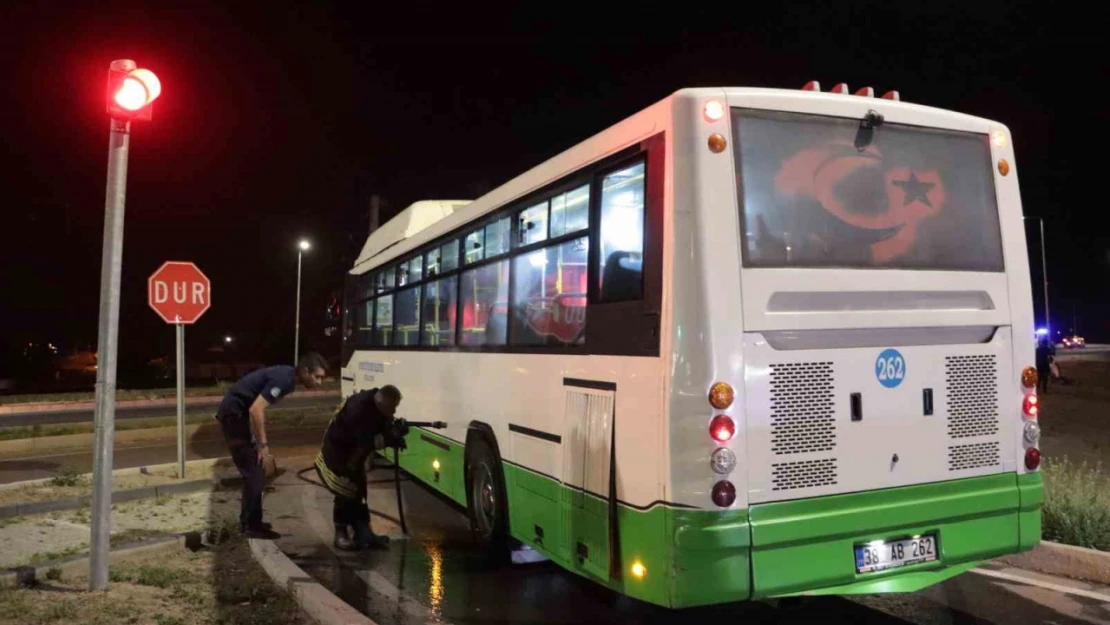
(722,428)
(1031,405)
(1032,432)
(1029,377)
(866,92)
(721,396)
(840,88)
(714,110)
(1032,461)
(812,85)
(724,493)
(892,95)
(722,460)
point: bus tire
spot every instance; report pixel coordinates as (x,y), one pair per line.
(486,501)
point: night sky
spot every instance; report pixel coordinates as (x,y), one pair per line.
(277,123)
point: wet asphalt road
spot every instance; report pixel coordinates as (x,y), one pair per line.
(149,412)
(438,576)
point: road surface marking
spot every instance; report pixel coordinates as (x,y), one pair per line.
(1060,588)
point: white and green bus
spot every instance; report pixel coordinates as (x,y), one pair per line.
(746,343)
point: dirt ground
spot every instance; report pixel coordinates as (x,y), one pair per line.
(79,485)
(1075,417)
(222,585)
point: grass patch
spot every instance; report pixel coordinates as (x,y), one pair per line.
(149,575)
(1077,504)
(68,476)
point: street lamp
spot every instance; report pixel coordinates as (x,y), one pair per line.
(302,247)
(1044,274)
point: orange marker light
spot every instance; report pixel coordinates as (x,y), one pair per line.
(1003,167)
(1029,377)
(721,396)
(717,143)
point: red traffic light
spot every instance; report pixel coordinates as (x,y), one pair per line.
(131,91)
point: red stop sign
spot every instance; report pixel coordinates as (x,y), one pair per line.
(179,292)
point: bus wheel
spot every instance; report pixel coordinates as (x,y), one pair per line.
(487,505)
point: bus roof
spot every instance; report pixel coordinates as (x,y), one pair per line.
(424,221)
(409,222)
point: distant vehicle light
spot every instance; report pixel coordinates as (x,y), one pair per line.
(714,110)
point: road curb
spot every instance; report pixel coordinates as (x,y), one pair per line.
(316,601)
(1064,560)
(119,496)
(73,565)
(67,406)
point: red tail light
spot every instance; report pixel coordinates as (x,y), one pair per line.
(722,428)
(1031,405)
(1032,461)
(724,493)
(840,88)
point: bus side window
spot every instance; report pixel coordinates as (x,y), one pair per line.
(621,275)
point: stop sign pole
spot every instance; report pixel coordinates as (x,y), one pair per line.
(180,293)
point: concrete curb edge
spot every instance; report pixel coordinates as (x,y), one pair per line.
(26,575)
(1064,560)
(316,601)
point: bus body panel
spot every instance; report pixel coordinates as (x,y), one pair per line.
(723,322)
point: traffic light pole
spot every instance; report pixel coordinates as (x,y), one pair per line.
(107,341)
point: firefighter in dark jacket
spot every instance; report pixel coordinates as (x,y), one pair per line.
(362,425)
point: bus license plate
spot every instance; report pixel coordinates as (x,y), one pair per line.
(880,555)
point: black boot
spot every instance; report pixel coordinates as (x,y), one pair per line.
(343,538)
(365,538)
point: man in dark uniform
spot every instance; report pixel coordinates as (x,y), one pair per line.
(242,417)
(362,425)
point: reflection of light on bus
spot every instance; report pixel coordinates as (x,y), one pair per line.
(435,579)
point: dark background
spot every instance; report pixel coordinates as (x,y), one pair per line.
(278,122)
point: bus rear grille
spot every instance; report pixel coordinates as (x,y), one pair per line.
(802,408)
(803,474)
(973,456)
(972,384)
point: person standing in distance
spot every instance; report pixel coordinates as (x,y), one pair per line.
(242,417)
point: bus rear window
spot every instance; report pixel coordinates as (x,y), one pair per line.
(817,191)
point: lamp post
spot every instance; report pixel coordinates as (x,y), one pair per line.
(302,247)
(1044,274)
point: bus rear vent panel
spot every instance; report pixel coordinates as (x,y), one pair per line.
(802,408)
(973,456)
(803,474)
(972,385)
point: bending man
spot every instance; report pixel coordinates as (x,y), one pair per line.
(362,425)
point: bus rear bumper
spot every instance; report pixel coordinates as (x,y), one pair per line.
(807,546)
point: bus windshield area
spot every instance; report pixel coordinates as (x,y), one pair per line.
(813,195)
